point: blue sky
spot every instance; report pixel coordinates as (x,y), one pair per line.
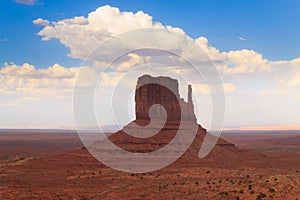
(255,44)
(268,27)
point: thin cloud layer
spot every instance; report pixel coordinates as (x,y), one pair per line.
(41,22)
(29,71)
(27,2)
(228,88)
(3,40)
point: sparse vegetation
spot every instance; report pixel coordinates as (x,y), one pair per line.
(261,196)
(249,187)
(224,193)
(271,190)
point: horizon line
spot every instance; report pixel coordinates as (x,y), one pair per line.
(294,127)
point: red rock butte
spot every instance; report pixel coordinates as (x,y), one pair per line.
(164,91)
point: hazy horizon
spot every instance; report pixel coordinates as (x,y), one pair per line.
(111,128)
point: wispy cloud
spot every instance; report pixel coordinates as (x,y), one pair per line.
(3,39)
(27,2)
(41,22)
(241,38)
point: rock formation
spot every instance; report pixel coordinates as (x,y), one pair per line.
(163,91)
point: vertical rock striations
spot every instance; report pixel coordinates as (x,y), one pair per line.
(163,91)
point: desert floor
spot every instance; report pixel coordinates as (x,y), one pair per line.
(53,165)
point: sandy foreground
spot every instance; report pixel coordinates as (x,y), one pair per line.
(55,166)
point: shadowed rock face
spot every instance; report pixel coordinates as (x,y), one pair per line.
(163,91)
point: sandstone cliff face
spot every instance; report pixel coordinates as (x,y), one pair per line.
(163,91)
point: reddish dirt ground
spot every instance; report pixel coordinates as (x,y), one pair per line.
(55,166)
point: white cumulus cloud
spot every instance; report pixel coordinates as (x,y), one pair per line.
(82,34)
(27,81)
(246,73)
